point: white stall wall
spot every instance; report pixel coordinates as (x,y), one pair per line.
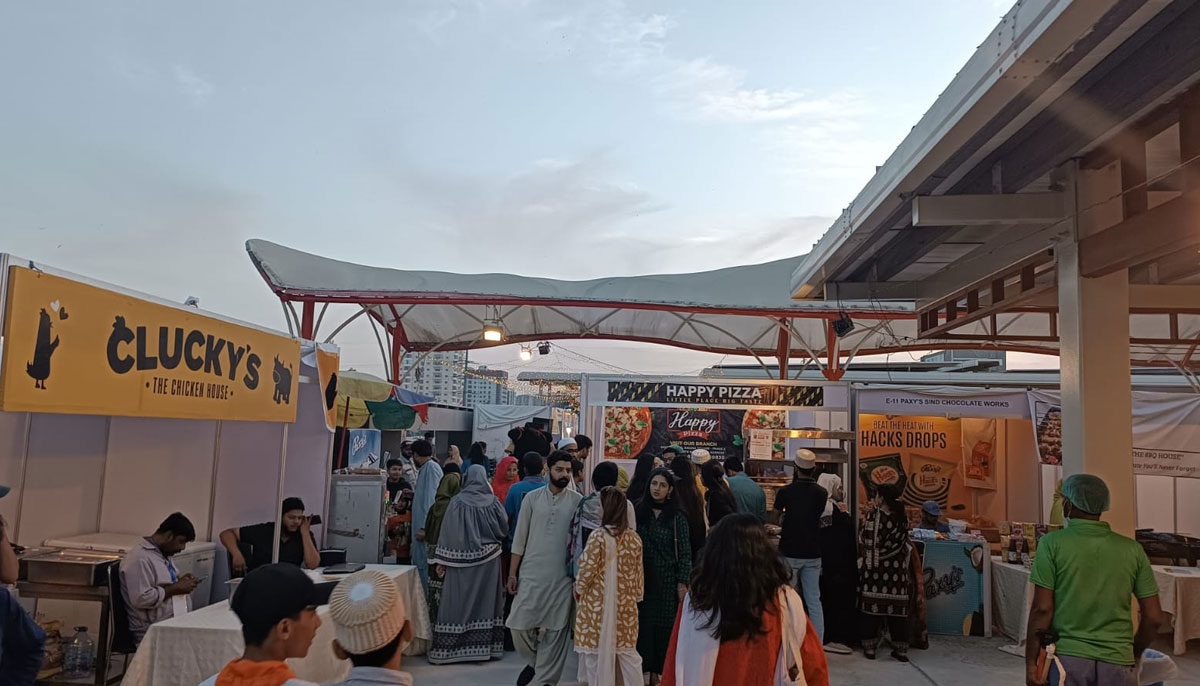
(156,467)
(1021,472)
(66,464)
(1155,502)
(247,475)
(1188,503)
(309,454)
(12,447)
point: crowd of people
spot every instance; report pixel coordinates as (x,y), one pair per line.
(529,563)
(669,578)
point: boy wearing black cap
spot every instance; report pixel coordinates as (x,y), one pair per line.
(277,606)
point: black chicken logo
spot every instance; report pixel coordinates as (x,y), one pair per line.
(43,350)
(283,383)
(331,392)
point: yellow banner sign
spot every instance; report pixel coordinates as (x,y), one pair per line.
(74,348)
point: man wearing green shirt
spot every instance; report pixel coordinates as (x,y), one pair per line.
(749,495)
(1084,577)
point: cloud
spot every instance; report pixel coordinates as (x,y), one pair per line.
(191,85)
(705,90)
(574,218)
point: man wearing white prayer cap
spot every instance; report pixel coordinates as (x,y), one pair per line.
(798,509)
(370,628)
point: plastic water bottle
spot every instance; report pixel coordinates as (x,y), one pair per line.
(79,655)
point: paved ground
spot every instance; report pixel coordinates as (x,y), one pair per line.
(948,662)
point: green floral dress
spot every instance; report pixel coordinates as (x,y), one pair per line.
(667,558)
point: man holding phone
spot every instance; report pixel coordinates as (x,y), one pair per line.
(251,547)
(149,582)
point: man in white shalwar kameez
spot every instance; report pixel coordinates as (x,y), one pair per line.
(542,611)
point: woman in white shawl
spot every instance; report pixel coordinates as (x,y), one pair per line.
(470,622)
(741,621)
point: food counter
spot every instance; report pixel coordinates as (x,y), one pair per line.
(958,586)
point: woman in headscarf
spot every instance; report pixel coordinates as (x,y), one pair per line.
(839,569)
(667,564)
(742,622)
(885,573)
(507,473)
(469,624)
(607,590)
(505,477)
(447,489)
(622,480)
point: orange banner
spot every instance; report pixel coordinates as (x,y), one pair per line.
(327,373)
(74,348)
(926,451)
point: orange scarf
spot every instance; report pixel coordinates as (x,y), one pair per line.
(242,672)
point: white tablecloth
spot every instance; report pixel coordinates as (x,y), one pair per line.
(1009,597)
(183,651)
(1178,592)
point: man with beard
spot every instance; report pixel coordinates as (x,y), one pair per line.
(251,547)
(541,614)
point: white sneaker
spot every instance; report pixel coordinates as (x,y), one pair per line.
(838,649)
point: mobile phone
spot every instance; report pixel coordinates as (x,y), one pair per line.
(314,519)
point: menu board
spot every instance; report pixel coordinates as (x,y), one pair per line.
(762,445)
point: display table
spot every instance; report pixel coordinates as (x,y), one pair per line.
(1010,589)
(183,651)
(1178,591)
(957,587)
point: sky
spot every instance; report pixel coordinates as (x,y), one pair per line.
(142,143)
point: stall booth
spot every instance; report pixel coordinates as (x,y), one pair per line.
(493,422)
(959,447)
(991,457)
(117,409)
(759,422)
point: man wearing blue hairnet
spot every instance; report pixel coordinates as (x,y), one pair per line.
(1084,577)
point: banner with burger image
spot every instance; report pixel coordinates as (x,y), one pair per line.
(923,453)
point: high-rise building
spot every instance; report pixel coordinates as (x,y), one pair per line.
(483,386)
(438,374)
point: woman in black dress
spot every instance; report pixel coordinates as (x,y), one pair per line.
(691,503)
(718,496)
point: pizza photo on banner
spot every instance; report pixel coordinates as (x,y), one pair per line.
(924,453)
(630,432)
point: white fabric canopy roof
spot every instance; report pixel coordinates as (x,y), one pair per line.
(737,310)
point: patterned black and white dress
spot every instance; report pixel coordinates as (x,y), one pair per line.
(883,564)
